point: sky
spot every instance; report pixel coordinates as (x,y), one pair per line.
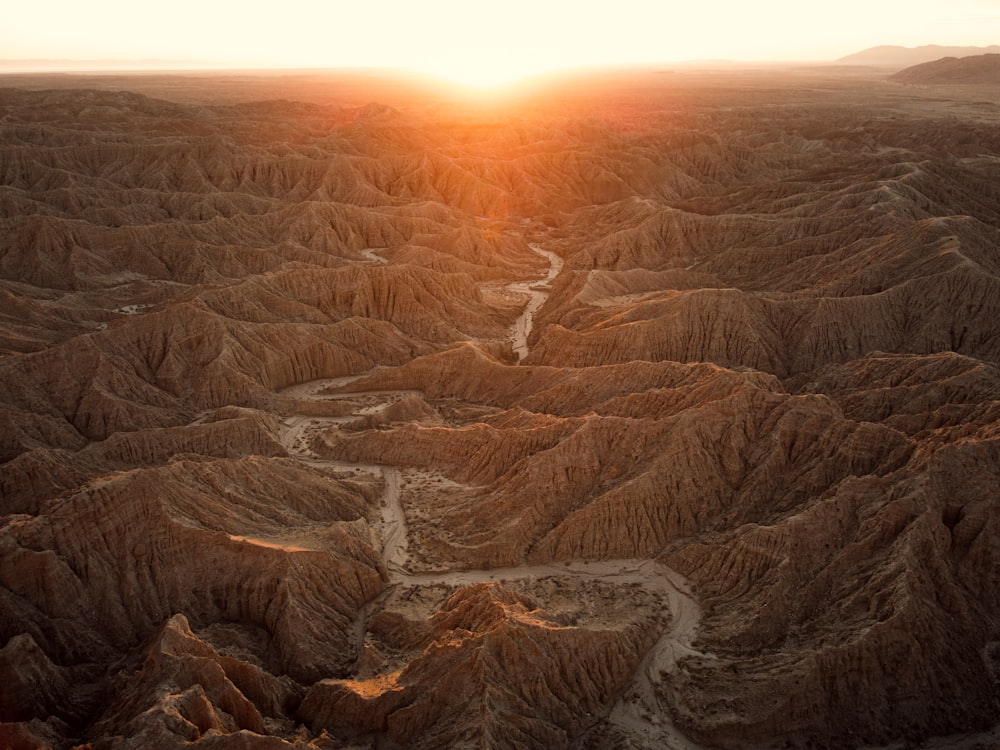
(477,42)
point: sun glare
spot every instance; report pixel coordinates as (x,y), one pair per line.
(478,77)
(484,86)
(484,71)
(481,48)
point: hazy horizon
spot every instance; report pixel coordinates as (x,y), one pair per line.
(471,44)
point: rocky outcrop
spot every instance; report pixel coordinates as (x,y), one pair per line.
(101,569)
(496,672)
(185,689)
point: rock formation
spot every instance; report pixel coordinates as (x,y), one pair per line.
(641,412)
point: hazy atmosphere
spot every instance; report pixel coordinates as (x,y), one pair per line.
(476,42)
(525,375)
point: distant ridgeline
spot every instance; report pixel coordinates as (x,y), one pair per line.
(974,69)
(890,56)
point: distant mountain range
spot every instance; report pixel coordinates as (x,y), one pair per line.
(40,65)
(973,69)
(890,56)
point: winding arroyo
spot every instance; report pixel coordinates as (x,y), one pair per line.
(638,709)
(537,292)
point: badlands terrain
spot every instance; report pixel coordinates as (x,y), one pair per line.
(648,410)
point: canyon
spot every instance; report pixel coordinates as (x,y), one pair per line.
(646,409)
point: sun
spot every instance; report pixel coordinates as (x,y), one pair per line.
(486,69)
(478,77)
